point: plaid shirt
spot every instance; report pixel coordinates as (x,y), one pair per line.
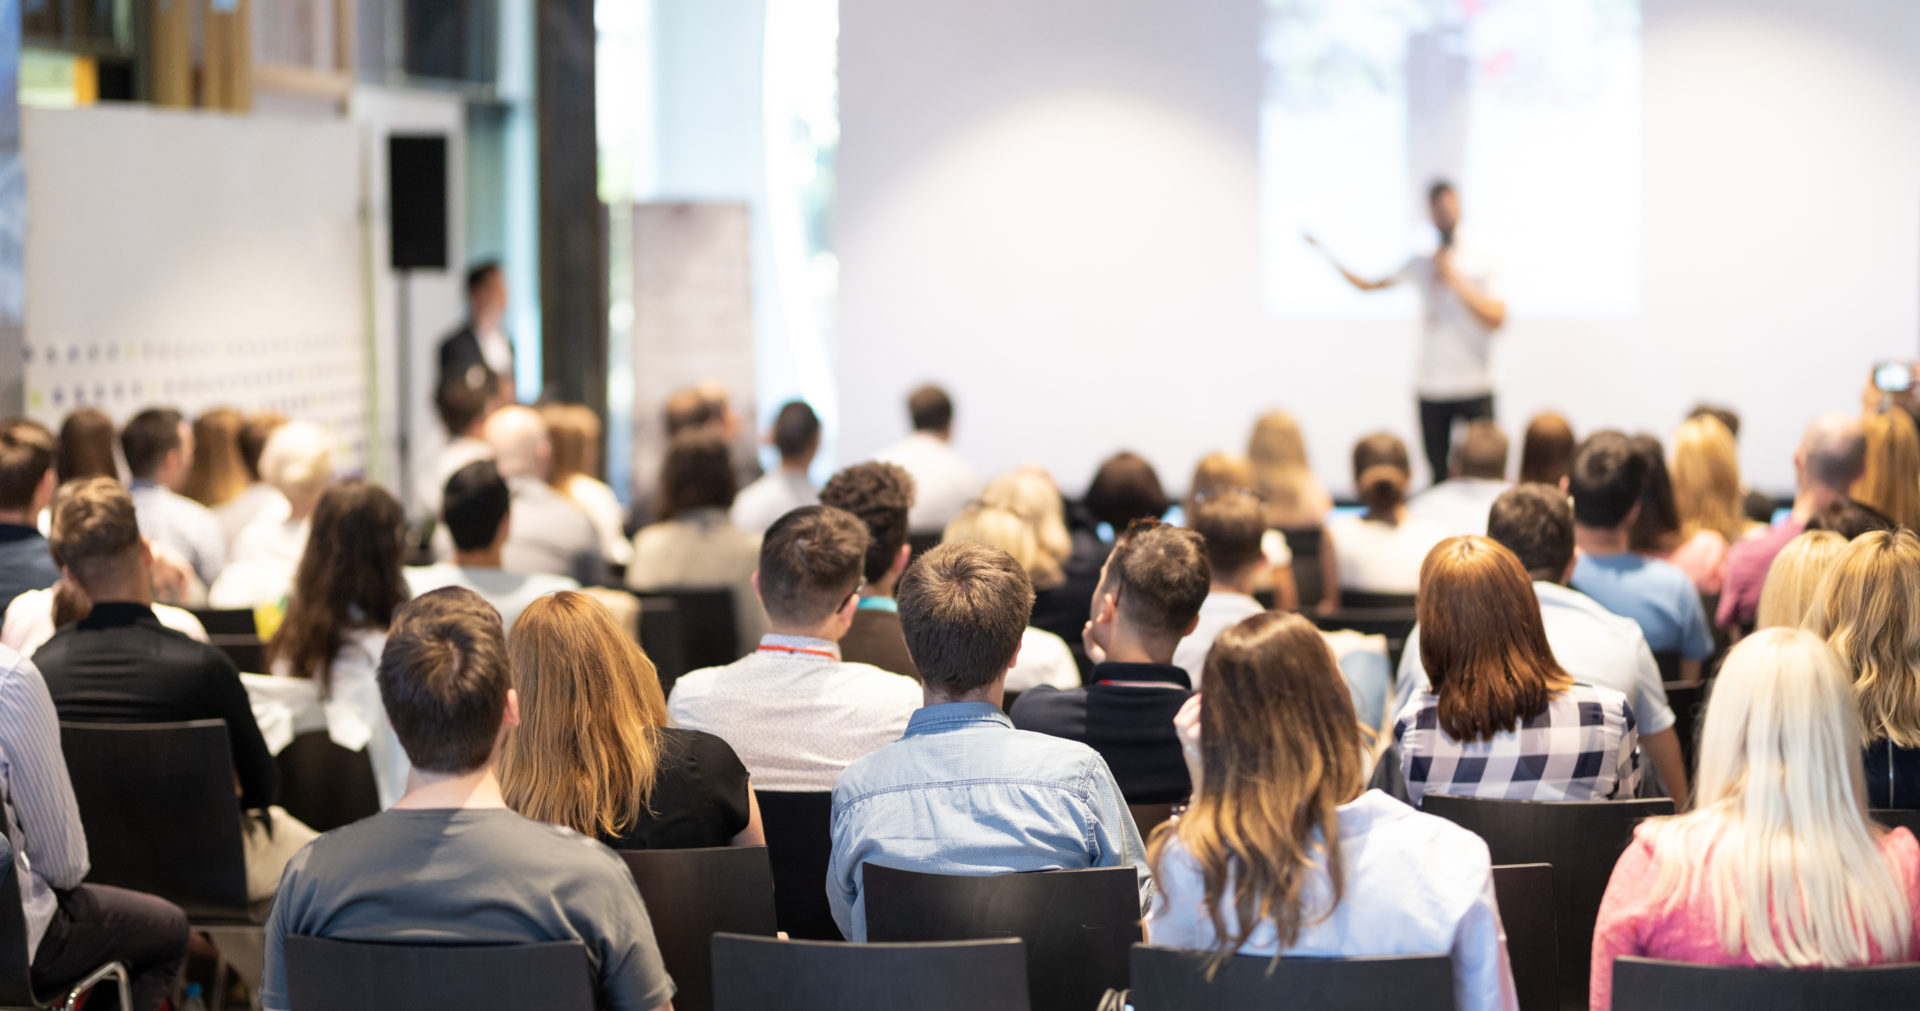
(1581,747)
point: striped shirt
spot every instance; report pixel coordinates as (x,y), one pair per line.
(1581,747)
(43,820)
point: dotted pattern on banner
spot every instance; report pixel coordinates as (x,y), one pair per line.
(320,378)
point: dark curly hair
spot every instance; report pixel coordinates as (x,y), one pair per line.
(881,495)
(349,577)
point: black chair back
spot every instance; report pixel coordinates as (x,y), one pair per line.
(1645,984)
(1581,839)
(1669,663)
(227,621)
(920,544)
(1307,545)
(1166,979)
(1688,700)
(694,894)
(799,834)
(704,627)
(660,637)
(757,974)
(1525,895)
(1147,817)
(234,633)
(156,800)
(1078,924)
(16,970)
(325,974)
(1902,818)
(1395,623)
(1360,600)
(325,785)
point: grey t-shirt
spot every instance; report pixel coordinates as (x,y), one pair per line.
(469,877)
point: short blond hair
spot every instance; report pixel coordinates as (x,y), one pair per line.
(1795,577)
(1029,492)
(1868,609)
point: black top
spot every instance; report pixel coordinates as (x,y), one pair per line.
(1064,609)
(699,796)
(874,637)
(1893,776)
(1130,725)
(25,563)
(120,665)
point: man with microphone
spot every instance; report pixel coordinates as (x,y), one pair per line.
(1462,308)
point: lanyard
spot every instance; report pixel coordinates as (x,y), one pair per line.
(798,649)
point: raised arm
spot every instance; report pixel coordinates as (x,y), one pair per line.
(1354,279)
(1488,308)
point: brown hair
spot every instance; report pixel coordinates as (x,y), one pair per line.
(217,474)
(1482,452)
(26,454)
(1218,474)
(1159,575)
(86,447)
(1278,455)
(1656,530)
(810,563)
(573,430)
(963,610)
(697,474)
(1232,525)
(349,577)
(587,751)
(94,528)
(443,679)
(1381,471)
(1546,451)
(930,409)
(1891,482)
(881,494)
(147,439)
(1280,751)
(1124,489)
(252,440)
(1482,640)
(1868,610)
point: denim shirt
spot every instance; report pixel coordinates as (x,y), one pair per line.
(964,793)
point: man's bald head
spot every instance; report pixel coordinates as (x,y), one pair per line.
(519,441)
(1833,453)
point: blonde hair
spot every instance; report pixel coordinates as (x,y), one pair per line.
(1891,482)
(298,459)
(217,474)
(1868,609)
(587,751)
(1706,479)
(1281,476)
(1217,474)
(574,432)
(1796,876)
(1029,493)
(1004,529)
(1795,577)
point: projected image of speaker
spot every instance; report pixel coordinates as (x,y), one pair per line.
(417,201)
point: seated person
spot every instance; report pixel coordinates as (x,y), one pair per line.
(1045,658)
(881,495)
(1278,766)
(1380,551)
(1476,476)
(796,434)
(478,513)
(1868,610)
(1150,595)
(963,792)
(26,488)
(1231,525)
(158,446)
(462,402)
(1831,457)
(694,546)
(450,863)
(555,537)
(297,463)
(943,480)
(796,712)
(574,431)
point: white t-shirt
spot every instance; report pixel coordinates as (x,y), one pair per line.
(943,481)
(508,592)
(1458,505)
(771,496)
(1452,363)
(1377,557)
(1045,659)
(1219,612)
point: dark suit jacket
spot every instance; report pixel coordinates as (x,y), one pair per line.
(874,638)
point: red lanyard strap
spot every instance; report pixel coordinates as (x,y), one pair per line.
(798,649)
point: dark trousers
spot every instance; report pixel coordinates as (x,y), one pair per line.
(96,924)
(1436,427)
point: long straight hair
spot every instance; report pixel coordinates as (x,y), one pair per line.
(1794,578)
(586,754)
(1706,479)
(1280,751)
(1891,482)
(1796,876)
(349,577)
(1868,609)
(1482,639)
(1657,529)
(216,475)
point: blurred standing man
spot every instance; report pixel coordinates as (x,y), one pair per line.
(1462,308)
(481,342)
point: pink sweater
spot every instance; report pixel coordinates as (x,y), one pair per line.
(1632,923)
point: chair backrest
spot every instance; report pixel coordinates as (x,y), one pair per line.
(235,633)
(156,800)
(1360,600)
(705,627)
(660,637)
(16,978)
(227,621)
(325,974)
(1307,545)
(1903,818)
(1077,924)
(1581,839)
(1395,623)
(1525,895)
(1646,984)
(693,894)
(920,544)
(1167,979)
(1147,817)
(1668,661)
(325,785)
(1688,701)
(757,973)
(799,834)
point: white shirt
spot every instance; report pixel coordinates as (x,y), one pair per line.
(1592,644)
(1220,611)
(264,561)
(1414,885)
(1454,344)
(29,622)
(796,719)
(182,524)
(1378,557)
(430,485)
(702,550)
(943,482)
(1045,659)
(771,496)
(260,499)
(497,350)
(508,592)
(1458,505)
(352,715)
(603,507)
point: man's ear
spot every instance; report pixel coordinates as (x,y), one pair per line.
(511,717)
(1109,609)
(757,595)
(900,559)
(847,609)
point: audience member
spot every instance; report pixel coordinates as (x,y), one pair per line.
(595,752)
(1226,474)
(297,463)
(1891,480)
(1476,476)
(451,863)
(26,489)
(217,475)
(1831,457)
(1297,505)
(1656,527)
(1592,644)
(963,792)
(1546,450)
(1059,607)
(796,434)
(554,536)
(158,445)
(479,353)
(1609,482)
(795,712)
(1868,609)
(1150,597)
(881,496)
(1503,719)
(1230,526)
(943,481)
(1380,551)
(1706,499)
(1850,519)
(1215,474)
(704,407)
(462,407)
(259,497)
(1795,578)
(1125,488)
(343,598)
(1045,658)
(1778,864)
(695,546)
(574,432)
(85,447)
(1278,767)
(478,513)
(1758,508)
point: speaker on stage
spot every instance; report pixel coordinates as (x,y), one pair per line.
(417,201)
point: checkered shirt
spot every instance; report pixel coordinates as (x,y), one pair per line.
(1581,747)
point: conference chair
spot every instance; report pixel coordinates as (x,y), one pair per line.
(1668,661)
(1524,893)
(233,632)
(799,833)
(1688,700)
(1077,924)
(326,975)
(1147,817)
(1581,839)
(325,785)
(704,626)
(1898,818)
(1646,984)
(1168,979)
(757,973)
(1395,623)
(920,544)
(1308,545)
(16,969)
(1361,600)
(693,894)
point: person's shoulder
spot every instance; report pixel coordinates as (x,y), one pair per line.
(1583,693)
(1046,754)
(542,583)
(435,576)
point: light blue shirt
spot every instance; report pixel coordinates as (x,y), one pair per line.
(1655,594)
(879,604)
(1415,885)
(964,793)
(182,524)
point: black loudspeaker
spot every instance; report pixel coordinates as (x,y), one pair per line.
(417,198)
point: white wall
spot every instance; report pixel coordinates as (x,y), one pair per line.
(1053,208)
